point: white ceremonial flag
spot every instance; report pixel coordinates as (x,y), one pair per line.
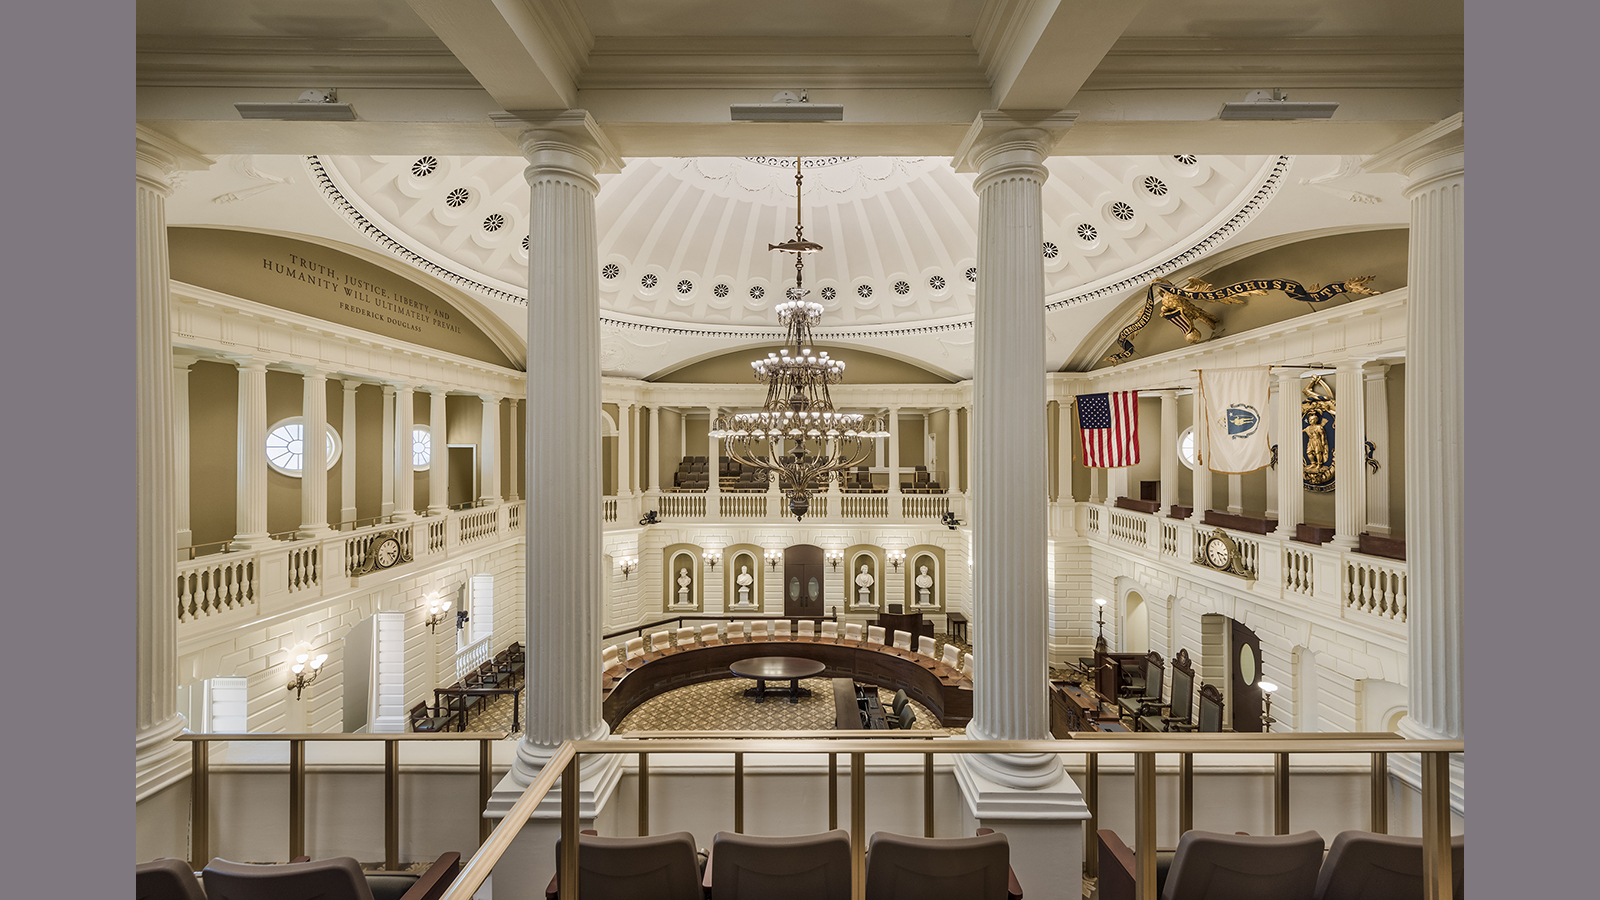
(1232,426)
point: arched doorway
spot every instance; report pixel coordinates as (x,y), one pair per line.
(803,591)
(1135,623)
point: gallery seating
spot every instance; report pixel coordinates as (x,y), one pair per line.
(167,879)
(1209,865)
(339,878)
(900,867)
(800,867)
(654,867)
(1362,865)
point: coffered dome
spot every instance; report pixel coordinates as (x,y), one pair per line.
(683,241)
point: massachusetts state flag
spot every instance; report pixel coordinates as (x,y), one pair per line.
(1109,424)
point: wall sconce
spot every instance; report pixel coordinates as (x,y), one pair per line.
(712,558)
(772,558)
(304,671)
(834,557)
(895,558)
(436,610)
(1101,602)
(627,564)
(1267,689)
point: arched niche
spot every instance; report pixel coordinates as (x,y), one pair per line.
(1135,623)
(870,556)
(932,557)
(734,556)
(608,454)
(674,558)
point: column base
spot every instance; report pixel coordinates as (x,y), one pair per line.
(160,761)
(1407,767)
(530,861)
(1044,828)
(250,541)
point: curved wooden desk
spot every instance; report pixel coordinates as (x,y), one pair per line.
(928,681)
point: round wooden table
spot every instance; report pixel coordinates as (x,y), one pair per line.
(777,668)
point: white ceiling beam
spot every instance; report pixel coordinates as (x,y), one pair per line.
(1039,53)
(525,53)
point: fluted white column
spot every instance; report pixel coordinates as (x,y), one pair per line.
(489,451)
(513,490)
(1200,495)
(625,449)
(894,457)
(1433,163)
(564,582)
(954,464)
(1349,454)
(313,454)
(1291,469)
(1169,450)
(183,535)
(347,465)
(966,470)
(1271,511)
(1010,590)
(387,461)
(714,463)
(405,475)
(1376,378)
(653,416)
(251,477)
(158,760)
(439,465)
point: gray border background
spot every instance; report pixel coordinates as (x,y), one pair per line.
(67,323)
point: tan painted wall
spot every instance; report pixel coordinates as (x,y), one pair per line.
(213,451)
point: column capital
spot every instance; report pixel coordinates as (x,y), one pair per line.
(248,363)
(561,141)
(1375,370)
(313,371)
(1016,140)
(351,382)
(1434,152)
(182,361)
(159,157)
(389,388)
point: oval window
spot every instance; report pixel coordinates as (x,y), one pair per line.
(813,588)
(1247,664)
(794,588)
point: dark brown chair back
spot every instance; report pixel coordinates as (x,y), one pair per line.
(167,879)
(1210,708)
(1213,866)
(913,868)
(1366,866)
(323,879)
(656,867)
(802,867)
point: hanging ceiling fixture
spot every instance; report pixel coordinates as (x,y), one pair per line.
(798,435)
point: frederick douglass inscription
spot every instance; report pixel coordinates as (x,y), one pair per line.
(363,297)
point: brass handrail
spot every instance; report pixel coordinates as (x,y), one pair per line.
(1435,755)
(200,792)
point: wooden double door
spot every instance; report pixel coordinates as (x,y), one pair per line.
(803,581)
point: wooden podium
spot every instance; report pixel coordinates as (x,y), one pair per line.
(910,623)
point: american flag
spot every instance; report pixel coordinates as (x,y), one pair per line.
(1109,424)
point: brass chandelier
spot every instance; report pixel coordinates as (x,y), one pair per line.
(798,435)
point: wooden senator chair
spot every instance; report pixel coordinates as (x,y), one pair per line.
(1210,708)
(1181,706)
(1152,678)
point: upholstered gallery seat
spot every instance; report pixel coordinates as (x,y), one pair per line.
(900,867)
(167,879)
(654,867)
(1364,866)
(799,867)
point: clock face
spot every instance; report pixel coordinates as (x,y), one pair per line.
(388,553)
(1217,553)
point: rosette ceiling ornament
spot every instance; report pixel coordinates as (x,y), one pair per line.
(798,435)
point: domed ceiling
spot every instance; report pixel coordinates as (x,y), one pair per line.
(683,241)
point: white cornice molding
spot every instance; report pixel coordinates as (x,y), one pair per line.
(168,153)
(575,126)
(298,62)
(1199,63)
(1042,128)
(223,326)
(649,63)
(1000,25)
(1404,157)
(565,30)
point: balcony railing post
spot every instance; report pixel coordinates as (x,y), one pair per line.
(297,798)
(391,804)
(1185,792)
(1091,799)
(1144,826)
(568,871)
(1437,877)
(927,795)
(1280,793)
(738,793)
(858,826)
(200,806)
(833,791)
(485,786)
(1380,794)
(644,794)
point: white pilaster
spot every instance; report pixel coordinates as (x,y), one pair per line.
(1169,450)
(1349,455)
(1376,376)
(713,465)
(158,760)
(1200,494)
(1291,471)
(625,449)
(513,491)
(251,477)
(183,535)
(489,451)
(405,475)
(1235,493)
(386,502)
(653,416)
(439,465)
(956,471)
(894,458)
(1433,162)
(1116,484)
(347,466)
(966,470)
(565,151)
(1026,795)
(313,454)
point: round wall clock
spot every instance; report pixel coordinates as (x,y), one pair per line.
(388,553)
(1218,552)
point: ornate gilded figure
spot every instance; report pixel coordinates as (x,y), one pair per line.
(1174,304)
(1317,414)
